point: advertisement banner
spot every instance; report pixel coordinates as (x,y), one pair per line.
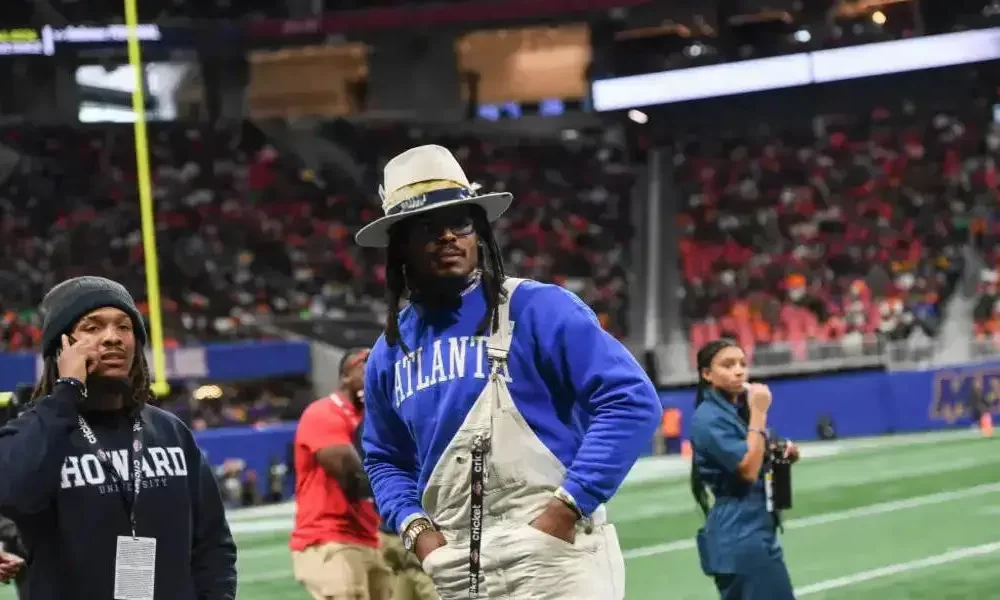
(22,41)
(111,39)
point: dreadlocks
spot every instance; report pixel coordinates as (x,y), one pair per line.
(490,263)
(138,380)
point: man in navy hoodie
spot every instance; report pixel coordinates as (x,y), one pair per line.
(112,496)
(500,416)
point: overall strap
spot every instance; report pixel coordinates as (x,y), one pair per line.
(498,344)
(497,348)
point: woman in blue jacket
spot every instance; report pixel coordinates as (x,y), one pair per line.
(738,546)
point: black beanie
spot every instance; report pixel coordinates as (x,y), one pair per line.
(68,302)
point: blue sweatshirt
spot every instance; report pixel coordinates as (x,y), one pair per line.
(580,390)
(70,513)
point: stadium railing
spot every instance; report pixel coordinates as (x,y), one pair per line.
(985,349)
(795,358)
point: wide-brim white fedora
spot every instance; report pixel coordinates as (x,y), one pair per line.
(445,184)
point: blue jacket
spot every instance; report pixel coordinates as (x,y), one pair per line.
(70,512)
(739,518)
(580,390)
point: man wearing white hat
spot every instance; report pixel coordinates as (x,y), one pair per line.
(501,417)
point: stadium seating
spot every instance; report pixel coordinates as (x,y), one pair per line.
(256,403)
(849,234)
(244,233)
(570,222)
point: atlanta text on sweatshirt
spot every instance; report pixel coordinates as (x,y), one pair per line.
(579,389)
(70,511)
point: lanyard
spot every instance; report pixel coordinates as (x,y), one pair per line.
(769,492)
(769,488)
(479,447)
(350,413)
(135,460)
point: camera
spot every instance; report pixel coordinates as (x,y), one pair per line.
(777,448)
(780,475)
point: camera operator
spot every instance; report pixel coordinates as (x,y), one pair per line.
(112,495)
(748,475)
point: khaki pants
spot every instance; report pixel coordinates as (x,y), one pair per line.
(411,583)
(335,571)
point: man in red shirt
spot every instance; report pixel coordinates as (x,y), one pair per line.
(335,543)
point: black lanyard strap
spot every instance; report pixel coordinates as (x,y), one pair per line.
(480,445)
(135,460)
(768,468)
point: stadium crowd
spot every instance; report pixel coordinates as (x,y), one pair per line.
(837,235)
(255,403)
(987,311)
(850,233)
(243,232)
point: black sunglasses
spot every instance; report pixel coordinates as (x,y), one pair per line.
(433,224)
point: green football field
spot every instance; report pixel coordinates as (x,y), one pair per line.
(907,517)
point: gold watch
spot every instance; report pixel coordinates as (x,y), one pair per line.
(564,497)
(413,530)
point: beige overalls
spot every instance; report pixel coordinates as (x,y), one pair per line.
(518,561)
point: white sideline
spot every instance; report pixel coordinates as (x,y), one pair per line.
(840,515)
(278,517)
(814,588)
(687,544)
(658,503)
(895,569)
(655,468)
